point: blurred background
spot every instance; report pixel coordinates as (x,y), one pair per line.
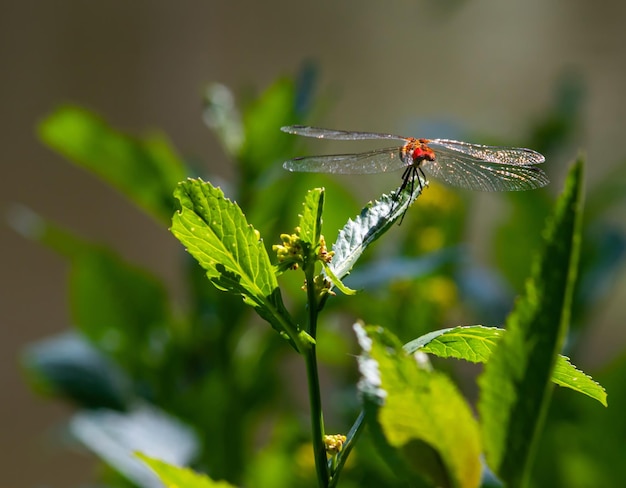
(446,68)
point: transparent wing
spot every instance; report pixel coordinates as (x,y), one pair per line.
(340,135)
(485,168)
(518,156)
(378,161)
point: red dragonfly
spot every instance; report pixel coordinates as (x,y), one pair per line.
(460,164)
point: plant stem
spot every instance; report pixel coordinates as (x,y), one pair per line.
(317,420)
(310,357)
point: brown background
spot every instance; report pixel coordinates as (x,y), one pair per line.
(489,65)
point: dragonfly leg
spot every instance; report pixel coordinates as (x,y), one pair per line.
(408,178)
(421,172)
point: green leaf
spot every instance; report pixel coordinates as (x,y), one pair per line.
(311,231)
(373,221)
(583,446)
(216,233)
(311,217)
(472,343)
(515,385)
(177,477)
(145,169)
(427,428)
(336,281)
(475,343)
(566,374)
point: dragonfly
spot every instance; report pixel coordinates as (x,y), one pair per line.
(459,164)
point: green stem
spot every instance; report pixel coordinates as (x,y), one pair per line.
(315,399)
(317,420)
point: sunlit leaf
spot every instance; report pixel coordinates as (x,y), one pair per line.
(476,343)
(582,445)
(336,281)
(216,233)
(311,216)
(427,429)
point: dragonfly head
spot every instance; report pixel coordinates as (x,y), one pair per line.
(417,150)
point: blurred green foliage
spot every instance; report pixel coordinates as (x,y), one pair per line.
(215,388)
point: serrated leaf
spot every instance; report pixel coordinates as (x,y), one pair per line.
(427,426)
(374,220)
(179,477)
(145,169)
(515,385)
(583,446)
(566,374)
(216,233)
(475,343)
(472,343)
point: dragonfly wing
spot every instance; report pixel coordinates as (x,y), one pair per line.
(340,135)
(378,161)
(517,156)
(473,172)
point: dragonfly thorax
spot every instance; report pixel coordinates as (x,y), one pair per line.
(415,151)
